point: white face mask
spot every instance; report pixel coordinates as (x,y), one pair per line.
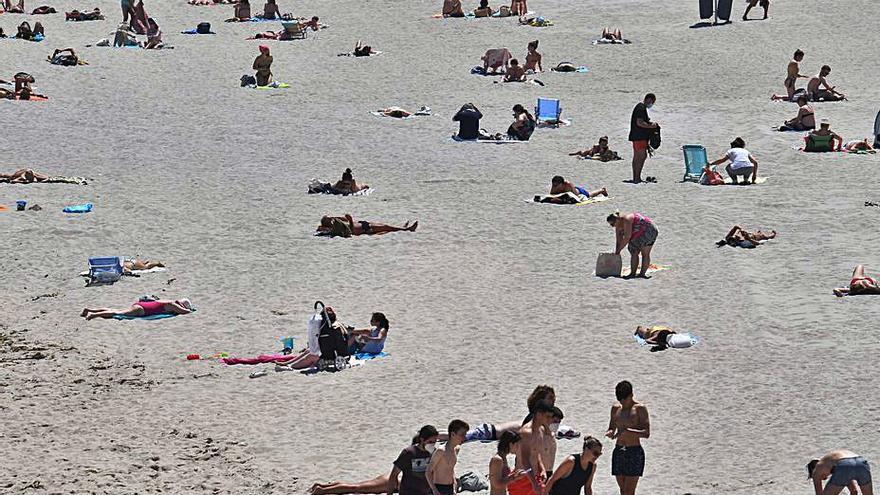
(554,427)
(430,447)
(649,105)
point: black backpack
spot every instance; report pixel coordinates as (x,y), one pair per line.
(204,28)
(654,140)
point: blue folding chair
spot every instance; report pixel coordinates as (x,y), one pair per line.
(548,111)
(695,159)
(105,270)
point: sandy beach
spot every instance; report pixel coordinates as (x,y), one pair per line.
(489,298)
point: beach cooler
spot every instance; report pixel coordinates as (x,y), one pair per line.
(695,159)
(548,111)
(105,270)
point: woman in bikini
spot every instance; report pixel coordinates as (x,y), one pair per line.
(142,308)
(805,120)
(859,284)
(263,66)
(347,227)
(23,176)
(533,58)
(500,473)
(347,185)
(745,239)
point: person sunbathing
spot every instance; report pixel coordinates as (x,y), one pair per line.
(242,12)
(599,151)
(64,56)
(656,336)
(745,239)
(395,112)
(856,145)
(154,36)
(818,88)
(860,284)
(14,8)
(312,24)
(270,11)
(494,59)
(23,176)
(76,15)
(805,119)
(142,308)
(523,124)
(124,37)
(612,34)
(43,10)
(361,50)
(515,73)
(25,32)
(129,266)
(823,133)
(558,185)
(347,227)
(533,58)
(347,185)
(483,10)
(452,8)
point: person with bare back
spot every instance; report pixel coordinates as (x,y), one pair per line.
(629,424)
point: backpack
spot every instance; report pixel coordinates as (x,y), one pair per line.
(203,28)
(654,140)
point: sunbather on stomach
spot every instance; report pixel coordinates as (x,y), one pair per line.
(142,308)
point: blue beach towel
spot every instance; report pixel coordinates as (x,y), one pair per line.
(85,208)
(365,356)
(160,316)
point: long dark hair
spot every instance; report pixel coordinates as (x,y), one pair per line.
(507,439)
(425,433)
(383,321)
(518,109)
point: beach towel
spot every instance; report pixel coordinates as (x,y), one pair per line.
(160,316)
(496,57)
(536,22)
(32,98)
(274,85)
(559,123)
(675,341)
(366,356)
(351,54)
(578,199)
(760,180)
(55,180)
(194,31)
(261,359)
(504,140)
(606,41)
(83,208)
(652,268)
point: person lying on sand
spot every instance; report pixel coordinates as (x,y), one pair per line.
(856,145)
(64,56)
(657,336)
(361,50)
(23,176)
(129,266)
(742,163)
(347,185)
(17,8)
(142,308)
(24,31)
(396,112)
(859,284)
(793,73)
(612,34)
(738,237)
(842,469)
(515,73)
(43,10)
(76,15)
(805,119)
(599,151)
(533,58)
(818,88)
(558,185)
(346,227)
(452,8)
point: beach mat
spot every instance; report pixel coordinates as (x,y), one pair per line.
(582,200)
(83,208)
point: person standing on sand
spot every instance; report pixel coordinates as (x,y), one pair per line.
(576,472)
(640,129)
(793,73)
(500,474)
(765,4)
(441,470)
(412,463)
(536,443)
(638,233)
(846,470)
(629,423)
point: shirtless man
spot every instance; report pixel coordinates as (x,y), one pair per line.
(629,423)
(441,470)
(818,88)
(825,130)
(846,470)
(558,185)
(537,443)
(452,8)
(793,73)
(515,73)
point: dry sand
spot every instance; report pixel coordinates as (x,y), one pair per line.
(490,297)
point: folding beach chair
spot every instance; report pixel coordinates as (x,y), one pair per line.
(548,111)
(294,30)
(104,270)
(694,160)
(877,131)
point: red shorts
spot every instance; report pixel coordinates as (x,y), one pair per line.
(640,145)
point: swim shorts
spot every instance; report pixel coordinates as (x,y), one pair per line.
(628,461)
(583,191)
(483,433)
(640,145)
(445,489)
(648,237)
(851,469)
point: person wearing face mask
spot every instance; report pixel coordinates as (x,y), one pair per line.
(629,424)
(538,449)
(500,474)
(576,471)
(412,463)
(640,130)
(441,470)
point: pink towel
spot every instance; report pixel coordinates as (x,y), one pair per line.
(261,359)
(497,57)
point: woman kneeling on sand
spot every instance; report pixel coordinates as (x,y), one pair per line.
(859,284)
(638,233)
(142,308)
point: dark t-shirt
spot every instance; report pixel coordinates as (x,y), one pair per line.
(637,133)
(413,462)
(469,122)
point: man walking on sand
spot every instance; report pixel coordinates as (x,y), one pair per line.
(640,130)
(441,470)
(629,423)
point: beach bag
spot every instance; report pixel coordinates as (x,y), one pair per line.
(204,28)
(711,178)
(609,265)
(654,140)
(248,80)
(504,11)
(472,482)
(680,341)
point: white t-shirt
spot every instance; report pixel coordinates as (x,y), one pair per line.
(739,158)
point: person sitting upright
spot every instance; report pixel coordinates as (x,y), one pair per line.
(523,125)
(468,118)
(822,139)
(361,50)
(515,73)
(242,12)
(819,90)
(533,58)
(483,10)
(270,11)
(599,151)
(560,186)
(805,120)
(347,185)
(741,162)
(452,8)
(154,35)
